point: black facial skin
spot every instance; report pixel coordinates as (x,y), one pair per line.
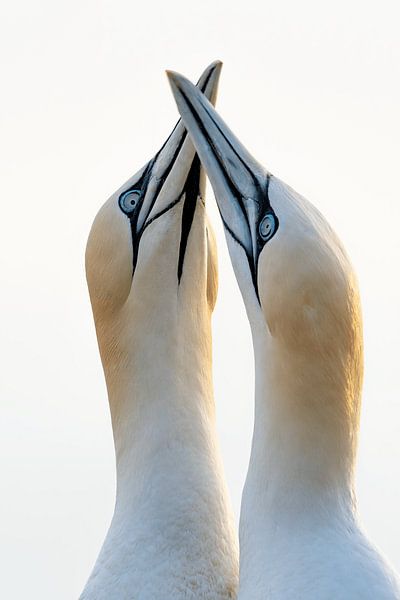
(130,201)
(266,227)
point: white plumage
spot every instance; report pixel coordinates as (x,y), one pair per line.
(152,276)
(300,538)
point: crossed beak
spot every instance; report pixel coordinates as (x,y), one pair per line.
(240,183)
(173,175)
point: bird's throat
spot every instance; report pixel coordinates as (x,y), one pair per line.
(305,434)
(162,409)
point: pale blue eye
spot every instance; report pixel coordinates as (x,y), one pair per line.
(129,200)
(267,227)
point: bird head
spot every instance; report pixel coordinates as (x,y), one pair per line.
(150,254)
(293,272)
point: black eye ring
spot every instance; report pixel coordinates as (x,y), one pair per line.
(267,226)
(129,200)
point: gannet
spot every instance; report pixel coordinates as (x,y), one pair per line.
(152,277)
(300,537)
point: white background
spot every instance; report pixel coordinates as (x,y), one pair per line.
(312,88)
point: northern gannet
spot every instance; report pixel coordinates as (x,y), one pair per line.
(300,538)
(152,277)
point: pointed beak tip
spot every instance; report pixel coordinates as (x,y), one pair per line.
(173,79)
(216,65)
(177,82)
(215,69)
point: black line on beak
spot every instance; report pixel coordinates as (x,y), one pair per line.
(246,166)
(192,192)
(203,89)
(191,188)
(234,190)
(169,167)
(142,185)
(250,260)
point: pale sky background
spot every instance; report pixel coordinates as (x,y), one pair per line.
(312,88)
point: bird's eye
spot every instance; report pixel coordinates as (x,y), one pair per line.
(267,227)
(129,200)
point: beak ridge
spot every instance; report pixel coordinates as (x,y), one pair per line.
(230,167)
(240,183)
(172,175)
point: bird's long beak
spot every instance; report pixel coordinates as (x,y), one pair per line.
(172,174)
(240,183)
(170,166)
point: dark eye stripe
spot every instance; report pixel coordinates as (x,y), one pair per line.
(192,191)
(130,201)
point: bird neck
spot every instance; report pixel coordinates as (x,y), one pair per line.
(161,401)
(305,432)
